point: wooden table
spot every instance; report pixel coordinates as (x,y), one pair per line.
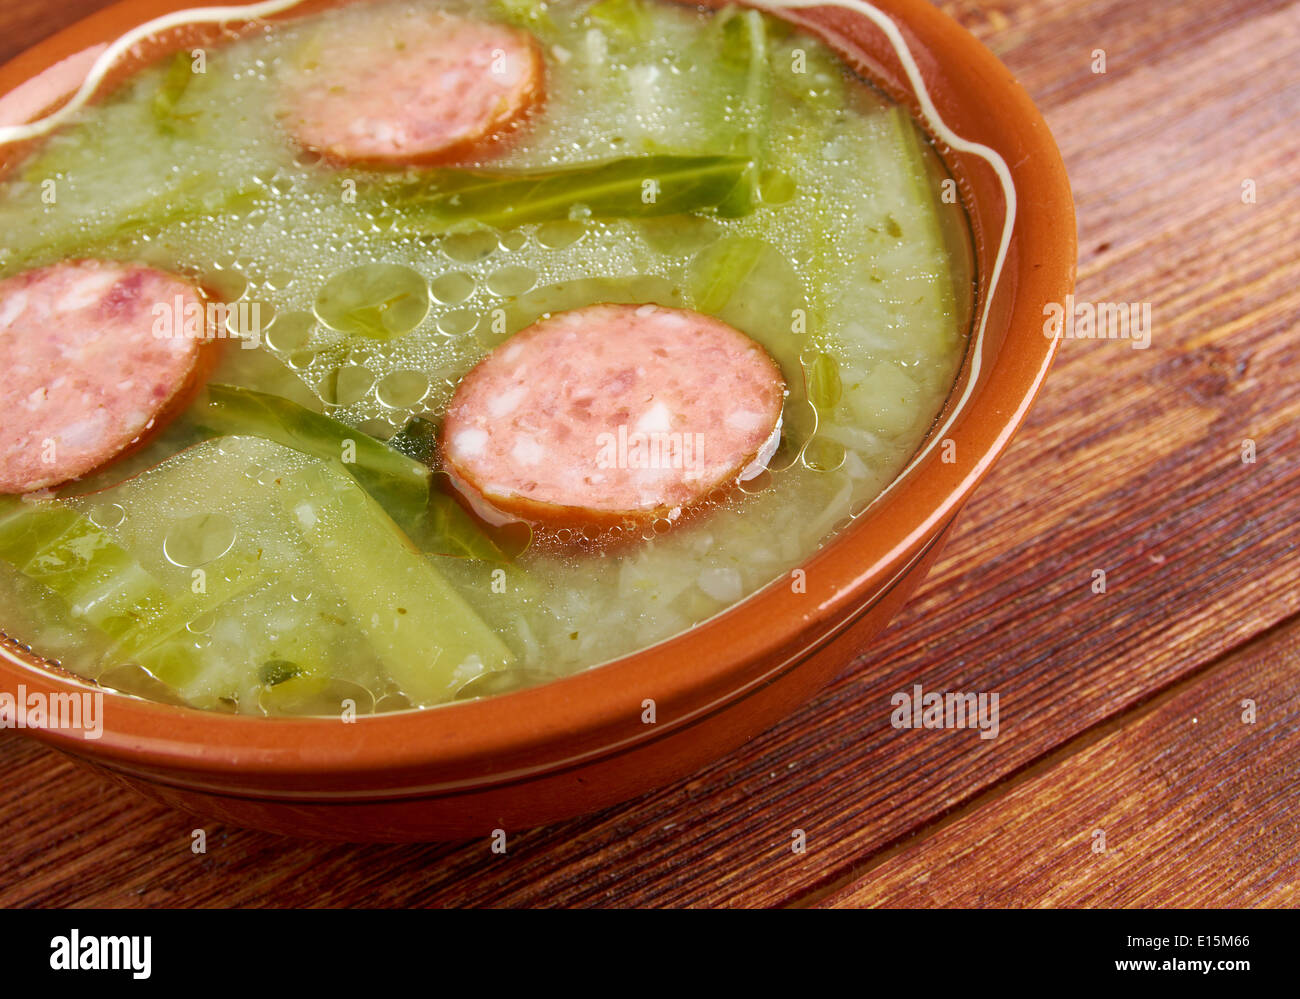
(1122,713)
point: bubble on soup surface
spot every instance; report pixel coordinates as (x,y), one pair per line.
(393,702)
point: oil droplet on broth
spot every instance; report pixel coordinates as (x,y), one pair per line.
(823,455)
(470,247)
(202,623)
(290,332)
(755,484)
(403,389)
(559,235)
(278,280)
(199,539)
(226,285)
(510,281)
(453,287)
(377,301)
(393,702)
(107,516)
(249,319)
(513,240)
(346,385)
(457,323)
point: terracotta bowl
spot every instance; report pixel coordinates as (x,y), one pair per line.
(580,744)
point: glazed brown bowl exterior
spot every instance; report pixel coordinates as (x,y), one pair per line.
(584,742)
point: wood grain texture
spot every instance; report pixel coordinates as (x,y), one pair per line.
(1208,777)
(1130,463)
(23,23)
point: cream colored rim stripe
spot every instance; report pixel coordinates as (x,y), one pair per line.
(104,64)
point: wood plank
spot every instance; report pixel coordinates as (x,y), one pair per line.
(1194,799)
(1130,464)
(26,22)
(1049,44)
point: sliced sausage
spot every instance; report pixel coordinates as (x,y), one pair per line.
(612,413)
(414,88)
(87,371)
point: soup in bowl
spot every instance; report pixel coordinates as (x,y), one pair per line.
(424,416)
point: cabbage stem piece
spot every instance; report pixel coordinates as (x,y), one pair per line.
(398,483)
(68,554)
(637,187)
(184,203)
(429,640)
(167,100)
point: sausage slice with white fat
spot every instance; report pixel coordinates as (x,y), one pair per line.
(412,88)
(87,374)
(612,414)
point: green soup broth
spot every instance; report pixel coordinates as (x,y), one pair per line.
(851,266)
